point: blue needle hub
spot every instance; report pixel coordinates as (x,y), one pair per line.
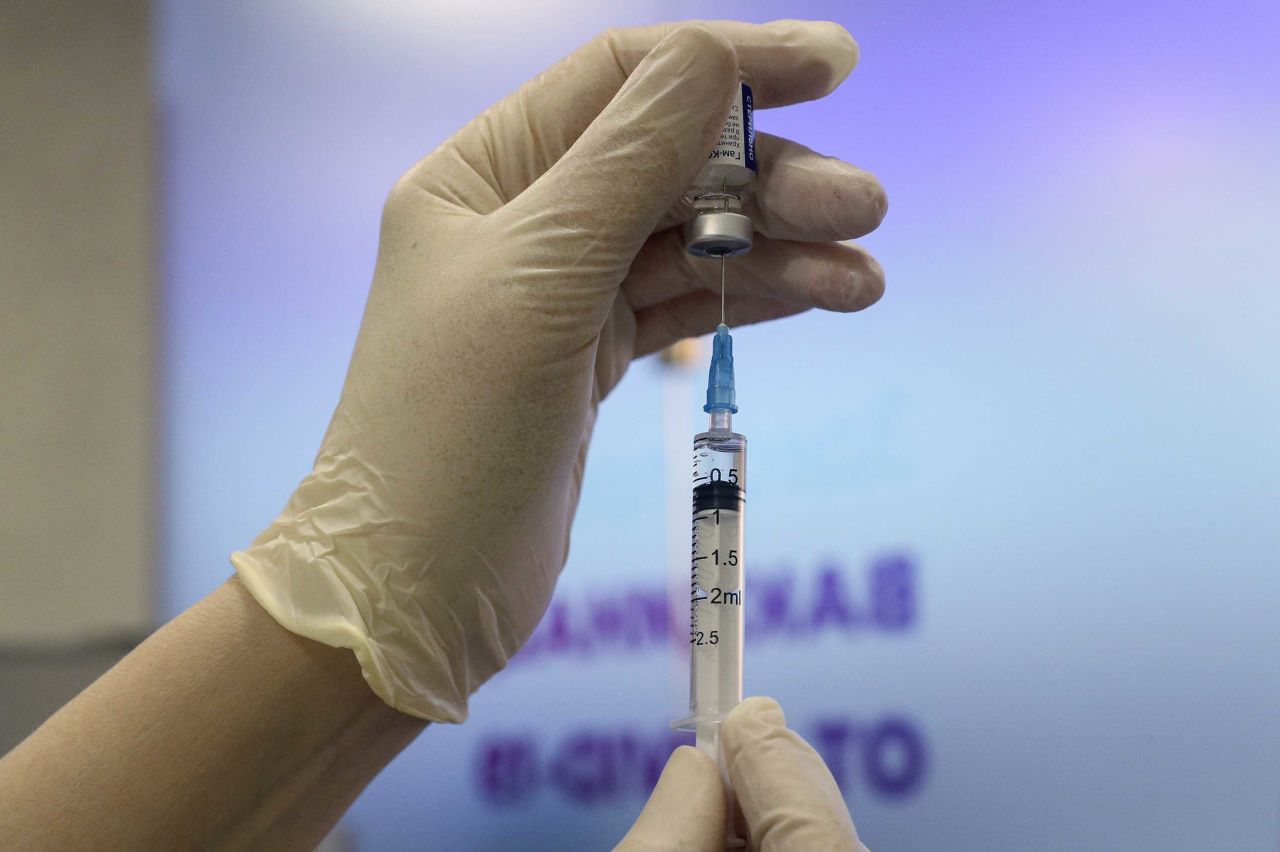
(720,396)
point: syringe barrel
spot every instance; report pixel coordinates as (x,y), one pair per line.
(717,575)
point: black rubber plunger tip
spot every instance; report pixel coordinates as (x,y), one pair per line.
(717,495)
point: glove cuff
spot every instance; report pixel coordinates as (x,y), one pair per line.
(308,597)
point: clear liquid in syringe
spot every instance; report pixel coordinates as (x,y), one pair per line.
(716,581)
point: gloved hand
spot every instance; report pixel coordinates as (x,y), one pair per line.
(522,265)
(788,798)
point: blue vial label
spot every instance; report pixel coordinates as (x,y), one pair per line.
(737,142)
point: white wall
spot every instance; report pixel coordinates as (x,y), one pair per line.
(76,315)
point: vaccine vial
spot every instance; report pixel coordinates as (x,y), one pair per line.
(719,228)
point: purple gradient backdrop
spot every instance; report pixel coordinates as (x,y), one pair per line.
(1064,410)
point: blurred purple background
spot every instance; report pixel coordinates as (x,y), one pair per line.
(1018,581)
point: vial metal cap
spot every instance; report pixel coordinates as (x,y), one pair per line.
(718,233)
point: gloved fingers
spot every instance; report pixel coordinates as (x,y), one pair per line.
(595,207)
(786,793)
(785,61)
(499,154)
(697,314)
(832,276)
(803,195)
(685,810)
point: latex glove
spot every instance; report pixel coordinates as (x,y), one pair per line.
(787,796)
(522,265)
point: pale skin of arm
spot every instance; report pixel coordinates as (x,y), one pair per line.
(222,729)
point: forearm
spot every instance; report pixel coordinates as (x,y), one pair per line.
(223,729)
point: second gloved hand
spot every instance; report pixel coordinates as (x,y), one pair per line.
(787,795)
(522,265)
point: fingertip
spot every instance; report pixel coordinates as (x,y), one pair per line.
(711,73)
(788,796)
(841,50)
(708,57)
(762,707)
(826,42)
(844,279)
(874,283)
(877,199)
(808,196)
(857,202)
(752,720)
(705,39)
(855,284)
(644,149)
(681,91)
(685,810)
(689,761)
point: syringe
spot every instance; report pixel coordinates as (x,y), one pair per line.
(717,558)
(717,561)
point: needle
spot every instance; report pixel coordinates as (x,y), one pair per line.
(722,289)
